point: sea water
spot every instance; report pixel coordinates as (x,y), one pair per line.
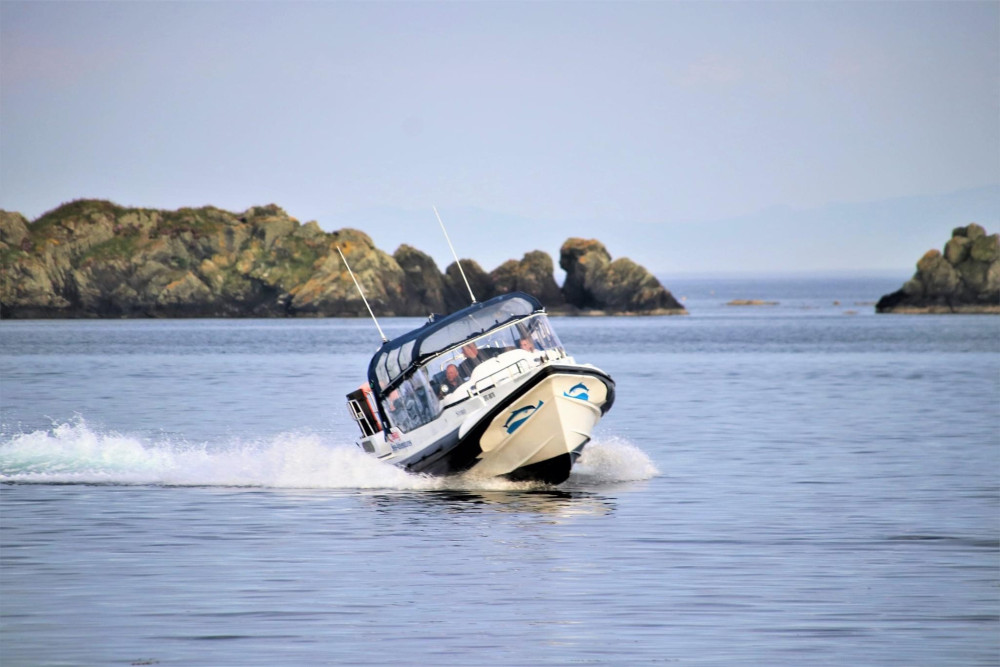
(794,484)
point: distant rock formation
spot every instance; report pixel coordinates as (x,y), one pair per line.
(330,290)
(424,283)
(963,279)
(533,274)
(95,259)
(582,260)
(456,294)
(594,282)
(92,258)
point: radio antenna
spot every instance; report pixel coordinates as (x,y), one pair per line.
(454,254)
(361,292)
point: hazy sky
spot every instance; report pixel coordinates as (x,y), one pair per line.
(692,137)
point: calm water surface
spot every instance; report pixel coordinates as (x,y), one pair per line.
(806,483)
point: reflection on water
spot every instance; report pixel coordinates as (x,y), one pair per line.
(556,503)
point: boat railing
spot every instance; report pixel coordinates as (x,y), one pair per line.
(359,417)
(501,376)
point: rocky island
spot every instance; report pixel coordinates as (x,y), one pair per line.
(93,258)
(965,278)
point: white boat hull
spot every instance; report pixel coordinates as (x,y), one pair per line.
(530,429)
(549,424)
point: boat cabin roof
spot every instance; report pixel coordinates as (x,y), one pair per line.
(439,334)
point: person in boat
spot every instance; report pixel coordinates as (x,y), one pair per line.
(473,357)
(452,380)
(526,344)
(394,406)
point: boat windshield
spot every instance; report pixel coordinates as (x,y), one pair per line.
(459,371)
(398,356)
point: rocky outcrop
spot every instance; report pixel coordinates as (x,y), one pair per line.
(96,259)
(456,294)
(93,258)
(533,275)
(595,282)
(965,278)
(13,229)
(330,289)
(582,260)
(423,281)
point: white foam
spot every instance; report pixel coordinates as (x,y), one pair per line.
(74,453)
(611,460)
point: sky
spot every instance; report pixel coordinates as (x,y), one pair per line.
(694,138)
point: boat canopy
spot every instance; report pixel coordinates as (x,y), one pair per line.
(397,356)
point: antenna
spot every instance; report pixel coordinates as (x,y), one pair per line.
(361,292)
(453,254)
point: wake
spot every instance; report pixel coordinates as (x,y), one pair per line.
(74,453)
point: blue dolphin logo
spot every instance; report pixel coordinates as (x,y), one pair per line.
(578,391)
(519,416)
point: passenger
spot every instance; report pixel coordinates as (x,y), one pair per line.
(526,344)
(451,380)
(397,412)
(473,357)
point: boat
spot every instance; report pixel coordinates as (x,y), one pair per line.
(488,390)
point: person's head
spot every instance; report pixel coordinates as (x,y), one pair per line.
(451,374)
(526,344)
(470,350)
